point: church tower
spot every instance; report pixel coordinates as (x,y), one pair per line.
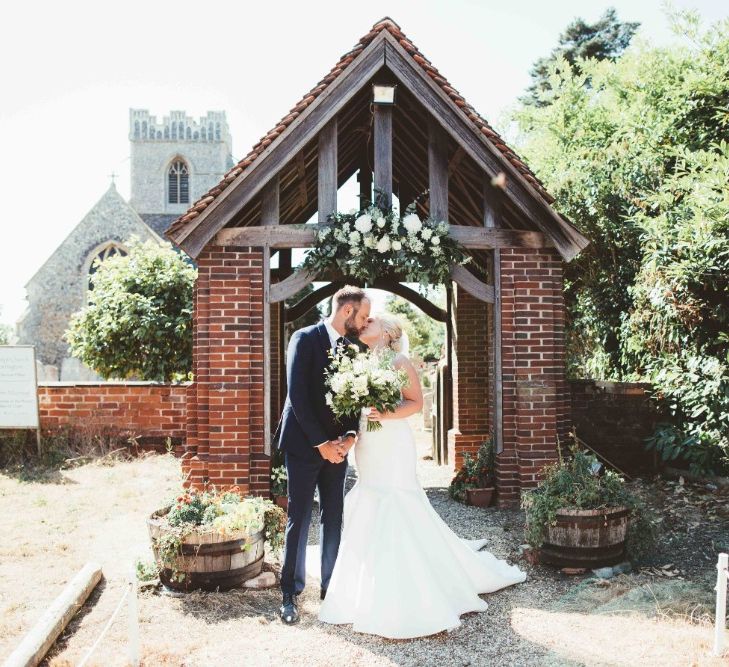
(175,162)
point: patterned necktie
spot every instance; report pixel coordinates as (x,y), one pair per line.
(341,341)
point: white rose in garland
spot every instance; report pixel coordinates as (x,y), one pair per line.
(363,224)
(371,243)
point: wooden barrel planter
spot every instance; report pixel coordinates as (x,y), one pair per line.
(209,561)
(586,538)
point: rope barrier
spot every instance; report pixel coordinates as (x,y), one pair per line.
(133,644)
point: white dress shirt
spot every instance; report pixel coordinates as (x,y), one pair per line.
(334,335)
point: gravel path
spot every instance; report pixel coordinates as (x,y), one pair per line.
(98,512)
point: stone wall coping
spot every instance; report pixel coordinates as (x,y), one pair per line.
(111,383)
(613,387)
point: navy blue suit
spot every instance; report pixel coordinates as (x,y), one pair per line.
(307,421)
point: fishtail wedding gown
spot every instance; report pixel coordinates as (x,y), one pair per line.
(401,572)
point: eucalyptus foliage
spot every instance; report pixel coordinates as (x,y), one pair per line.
(138,320)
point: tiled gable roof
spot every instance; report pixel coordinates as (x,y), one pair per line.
(385,24)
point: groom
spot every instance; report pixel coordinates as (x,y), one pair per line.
(315,444)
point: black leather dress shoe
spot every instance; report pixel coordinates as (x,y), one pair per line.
(289,611)
(322,593)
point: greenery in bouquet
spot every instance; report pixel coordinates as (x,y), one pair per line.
(358,380)
(367,243)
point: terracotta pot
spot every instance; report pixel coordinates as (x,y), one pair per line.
(586,538)
(282,501)
(480,497)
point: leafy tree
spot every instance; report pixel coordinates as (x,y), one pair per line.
(138,321)
(605,39)
(426,336)
(678,332)
(636,159)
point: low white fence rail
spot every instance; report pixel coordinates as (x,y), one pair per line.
(722,575)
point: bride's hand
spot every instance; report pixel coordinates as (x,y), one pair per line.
(375,415)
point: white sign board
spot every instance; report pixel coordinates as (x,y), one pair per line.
(18,387)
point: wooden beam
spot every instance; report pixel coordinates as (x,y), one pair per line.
(269,219)
(531,204)
(327,184)
(310,300)
(270,203)
(456,160)
(492,206)
(428,307)
(383,156)
(39,639)
(290,286)
(303,236)
(301,176)
(437,171)
(194,237)
(471,284)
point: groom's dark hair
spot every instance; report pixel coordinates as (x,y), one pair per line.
(347,294)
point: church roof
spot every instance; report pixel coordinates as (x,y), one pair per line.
(176,230)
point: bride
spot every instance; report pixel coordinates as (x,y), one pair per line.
(401,572)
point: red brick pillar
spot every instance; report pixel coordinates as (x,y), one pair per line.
(225,427)
(535,398)
(470,374)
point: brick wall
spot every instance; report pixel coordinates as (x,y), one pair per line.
(614,418)
(535,392)
(150,411)
(225,437)
(471,412)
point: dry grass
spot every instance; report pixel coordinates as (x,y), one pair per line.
(97,512)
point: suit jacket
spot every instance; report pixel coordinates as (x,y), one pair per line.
(307,420)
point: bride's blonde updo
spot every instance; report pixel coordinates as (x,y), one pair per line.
(393,329)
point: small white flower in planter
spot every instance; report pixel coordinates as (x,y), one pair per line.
(426,233)
(435,240)
(381,222)
(396,245)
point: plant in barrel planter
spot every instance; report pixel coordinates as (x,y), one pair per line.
(279,487)
(213,540)
(581,515)
(473,484)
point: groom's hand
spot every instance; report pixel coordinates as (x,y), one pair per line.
(347,443)
(332,451)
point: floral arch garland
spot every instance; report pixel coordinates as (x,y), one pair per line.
(372,242)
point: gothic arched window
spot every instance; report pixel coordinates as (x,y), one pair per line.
(178,183)
(108,251)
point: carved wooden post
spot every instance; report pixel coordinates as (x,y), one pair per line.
(383,156)
(269,217)
(491,216)
(327,185)
(437,171)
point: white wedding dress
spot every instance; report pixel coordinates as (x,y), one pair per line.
(401,572)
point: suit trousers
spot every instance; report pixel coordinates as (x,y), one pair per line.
(304,476)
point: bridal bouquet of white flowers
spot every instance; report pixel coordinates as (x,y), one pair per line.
(358,380)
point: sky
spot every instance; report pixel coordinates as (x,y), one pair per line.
(72,70)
